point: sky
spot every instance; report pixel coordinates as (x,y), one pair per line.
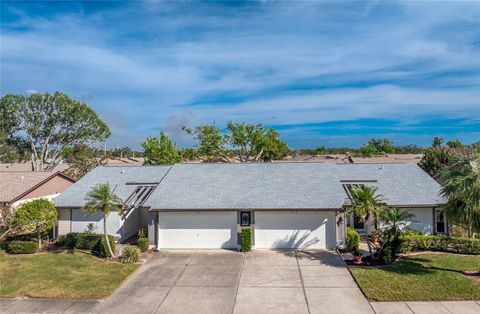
(320,73)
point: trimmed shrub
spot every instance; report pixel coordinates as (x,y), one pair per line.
(60,240)
(23,247)
(413,243)
(143,244)
(246,239)
(408,232)
(102,249)
(465,245)
(130,254)
(353,239)
(387,254)
(89,241)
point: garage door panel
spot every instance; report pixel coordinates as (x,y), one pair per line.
(185,230)
(291,229)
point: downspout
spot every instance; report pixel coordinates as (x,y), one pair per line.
(157,232)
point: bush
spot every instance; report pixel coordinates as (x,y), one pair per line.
(102,249)
(130,254)
(61,240)
(143,244)
(387,254)
(246,239)
(408,232)
(353,239)
(465,245)
(89,241)
(412,243)
(23,247)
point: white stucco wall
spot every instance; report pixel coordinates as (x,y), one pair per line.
(424,220)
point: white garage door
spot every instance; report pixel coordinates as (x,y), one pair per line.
(203,230)
(294,229)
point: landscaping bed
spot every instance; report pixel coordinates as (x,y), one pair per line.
(70,275)
(422,277)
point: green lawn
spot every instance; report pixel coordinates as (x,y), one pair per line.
(425,277)
(60,275)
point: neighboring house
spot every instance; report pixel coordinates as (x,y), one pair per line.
(17,187)
(347,158)
(288,205)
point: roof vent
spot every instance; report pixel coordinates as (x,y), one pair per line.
(123,171)
(22,177)
(382,167)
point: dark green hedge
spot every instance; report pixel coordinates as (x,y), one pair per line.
(94,242)
(246,239)
(23,247)
(353,239)
(410,243)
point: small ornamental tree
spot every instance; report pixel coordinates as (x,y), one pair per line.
(37,216)
(6,216)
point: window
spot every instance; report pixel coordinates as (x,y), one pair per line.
(440,221)
(140,194)
(245,219)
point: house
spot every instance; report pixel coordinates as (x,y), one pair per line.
(18,184)
(288,205)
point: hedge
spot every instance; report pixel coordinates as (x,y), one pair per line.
(246,239)
(23,247)
(353,239)
(410,243)
(94,242)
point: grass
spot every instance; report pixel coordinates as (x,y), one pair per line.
(424,277)
(74,275)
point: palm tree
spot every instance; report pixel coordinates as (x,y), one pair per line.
(394,219)
(365,202)
(101,198)
(461,189)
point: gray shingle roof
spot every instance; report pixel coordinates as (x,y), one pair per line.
(287,185)
(261,185)
(116,176)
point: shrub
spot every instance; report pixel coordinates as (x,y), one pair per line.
(89,241)
(143,244)
(102,249)
(246,240)
(439,243)
(23,247)
(465,245)
(61,240)
(387,254)
(408,232)
(353,239)
(130,254)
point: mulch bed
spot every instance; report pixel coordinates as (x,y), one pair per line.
(368,261)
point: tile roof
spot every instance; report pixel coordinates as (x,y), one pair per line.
(260,185)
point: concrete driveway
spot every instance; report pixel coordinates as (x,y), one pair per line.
(232,282)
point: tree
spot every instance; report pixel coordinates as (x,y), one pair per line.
(455,144)
(253,142)
(12,148)
(81,159)
(461,189)
(102,199)
(377,147)
(437,142)
(6,217)
(393,221)
(37,216)
(365,203)
(438,159)
(210,142)
(49,123)
(160,151)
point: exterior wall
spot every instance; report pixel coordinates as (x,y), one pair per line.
(80,223)
(152,227)
(424,220)
(50,189)
(64,222)
(341,227)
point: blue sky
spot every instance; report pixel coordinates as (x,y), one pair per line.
(321,73)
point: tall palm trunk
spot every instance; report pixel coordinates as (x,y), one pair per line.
(107,240)
(368,240)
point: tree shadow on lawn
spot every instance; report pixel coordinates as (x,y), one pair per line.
(422,266)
